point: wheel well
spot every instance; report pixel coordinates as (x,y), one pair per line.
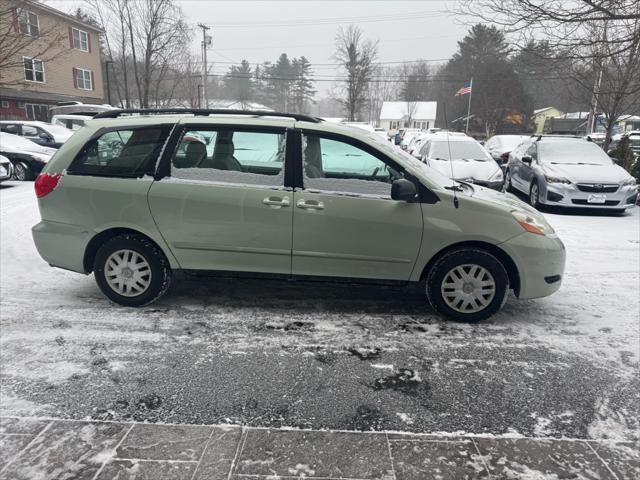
(97,241)
(501,255)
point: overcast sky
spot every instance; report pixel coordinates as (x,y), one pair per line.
(262,30)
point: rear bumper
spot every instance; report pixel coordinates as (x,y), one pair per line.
(540,261)
(61,244)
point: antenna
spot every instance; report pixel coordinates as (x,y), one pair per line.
(454,187)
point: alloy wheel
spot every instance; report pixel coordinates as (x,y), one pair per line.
(20,171)
(468,288)
(533,195)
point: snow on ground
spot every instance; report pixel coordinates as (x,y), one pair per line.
(306,355)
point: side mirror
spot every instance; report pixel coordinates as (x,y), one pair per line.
(403,189)
(526,160)
(45,136)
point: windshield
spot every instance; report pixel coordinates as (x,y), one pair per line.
(509,142)
(16,141)
(459,150)
(58,130)
(572,153)
(431,173)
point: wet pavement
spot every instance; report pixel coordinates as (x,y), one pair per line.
(544,384)
(35,449)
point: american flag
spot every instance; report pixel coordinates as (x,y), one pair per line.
(466,90)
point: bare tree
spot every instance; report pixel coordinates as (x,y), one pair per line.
(144,37)
(17,37)
(612,79)
(382,88)
(357,57)
(565,24)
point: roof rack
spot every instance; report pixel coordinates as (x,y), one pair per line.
(554,135)
(206,112)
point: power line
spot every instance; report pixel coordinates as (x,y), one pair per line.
(305,22)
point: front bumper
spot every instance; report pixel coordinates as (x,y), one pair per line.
(6,171)
(540,261)
(569,195)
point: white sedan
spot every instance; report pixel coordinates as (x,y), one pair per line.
(28,158)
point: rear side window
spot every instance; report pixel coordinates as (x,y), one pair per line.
(232,156)
(125,153)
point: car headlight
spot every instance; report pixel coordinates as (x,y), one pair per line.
(629,181)
(532,224)
(496,176)
(552,179)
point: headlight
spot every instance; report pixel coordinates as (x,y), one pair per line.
(531,224)
(551,179)
(496,176)
(629,181)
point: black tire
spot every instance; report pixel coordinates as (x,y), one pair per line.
(161,274)
(506,186)
(22,172)
(463,256)
(534,195)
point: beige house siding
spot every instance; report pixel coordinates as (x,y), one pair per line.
(54,47)
(540,118)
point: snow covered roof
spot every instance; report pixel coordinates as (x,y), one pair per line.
(575,115)
(237,105)
(540,110)
(399,110)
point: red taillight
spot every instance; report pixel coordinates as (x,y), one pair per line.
(46,183)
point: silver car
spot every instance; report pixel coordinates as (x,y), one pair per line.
(569,172)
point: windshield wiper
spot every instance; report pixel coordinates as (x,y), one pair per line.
(455,188)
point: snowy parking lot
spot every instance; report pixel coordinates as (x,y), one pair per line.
(325,356)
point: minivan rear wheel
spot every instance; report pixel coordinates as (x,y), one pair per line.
(131,270)
(467,284)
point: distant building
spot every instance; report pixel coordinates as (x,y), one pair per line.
(58,60)
(395,115)
(542,114)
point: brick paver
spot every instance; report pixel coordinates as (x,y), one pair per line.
(46,449)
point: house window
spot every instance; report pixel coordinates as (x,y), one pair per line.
(28,22)
(33,69)
(20,104)
(80,39)
(83,79)
(37,112)
(5,104)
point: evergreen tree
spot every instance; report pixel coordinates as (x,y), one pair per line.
(238,83)
(302,90)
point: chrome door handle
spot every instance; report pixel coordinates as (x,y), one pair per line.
(276,202)
(310,204)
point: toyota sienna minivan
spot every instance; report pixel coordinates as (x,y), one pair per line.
(138,195)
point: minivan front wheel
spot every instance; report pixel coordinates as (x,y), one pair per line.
(131,270)
(467,284)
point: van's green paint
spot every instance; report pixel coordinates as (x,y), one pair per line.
(226,227)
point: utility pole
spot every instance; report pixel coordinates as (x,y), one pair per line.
(106,72)
(206,41)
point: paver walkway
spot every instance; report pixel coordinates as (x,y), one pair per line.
(39,448)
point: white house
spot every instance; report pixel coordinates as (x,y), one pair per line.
(395,115)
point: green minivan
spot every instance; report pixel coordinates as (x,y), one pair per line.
(138,195)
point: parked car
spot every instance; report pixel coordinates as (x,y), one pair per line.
(408,135)
(570,172)
(45,134)
(284,194)
(28,158)
(499,146)
(462,158)
(413,148)
(72,122)
(6,168)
